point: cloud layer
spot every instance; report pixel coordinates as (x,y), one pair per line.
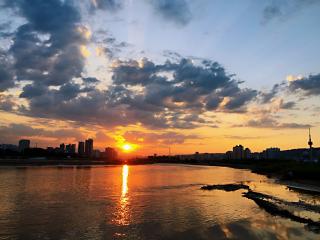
(48,54)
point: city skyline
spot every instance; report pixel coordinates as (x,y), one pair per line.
(149,75)
(128,151)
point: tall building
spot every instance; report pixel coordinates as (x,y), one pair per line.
(24,144)
(71,148)
(81,148)
(238,152)
(62,148)
(89,147)
(68,148)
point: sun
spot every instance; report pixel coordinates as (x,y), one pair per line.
(127,147)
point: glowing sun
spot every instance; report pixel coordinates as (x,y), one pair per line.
(127,147)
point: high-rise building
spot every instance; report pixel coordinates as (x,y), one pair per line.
(81,148)
(62,148)
(24,144)
(89,147)
(68,148)
(71,148)
(237,152)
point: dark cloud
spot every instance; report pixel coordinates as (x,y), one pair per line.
(192,88)
(30,91)
(159,139)
(266,97)
(287,105)
(47,48)
(6,72)
(284,9)
(90,80)
(177,11)
(47,16)
(108,45)
(171,95)
(308,85)
(269,122)
(271,12)
(66,92)
(242,137)
(14,132)
(240,99)
(213,102)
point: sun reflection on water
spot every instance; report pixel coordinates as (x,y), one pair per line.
(122,217)
(125,173)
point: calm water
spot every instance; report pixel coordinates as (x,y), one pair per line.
(139,202)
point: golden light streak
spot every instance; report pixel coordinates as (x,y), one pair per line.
(125,173)
(122,216)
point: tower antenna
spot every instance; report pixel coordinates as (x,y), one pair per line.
(310,143)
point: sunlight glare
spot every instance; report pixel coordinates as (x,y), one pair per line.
(127,147)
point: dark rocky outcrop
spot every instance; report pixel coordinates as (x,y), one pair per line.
(226,187)
(268,203)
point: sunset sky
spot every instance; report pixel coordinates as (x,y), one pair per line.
(192,75)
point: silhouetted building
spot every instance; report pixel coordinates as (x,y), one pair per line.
(89,147)
(50,149)
(237,152)
(9,147)
(68,148)
(81,148)
(256,156)
(24,144)
(71,148)
(247,154)
(62,148)
(110,154)
(229,155)
(271,153)
(96,153)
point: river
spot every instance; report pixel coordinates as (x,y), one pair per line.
(141,202)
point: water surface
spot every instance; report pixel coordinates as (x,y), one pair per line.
(139,202)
